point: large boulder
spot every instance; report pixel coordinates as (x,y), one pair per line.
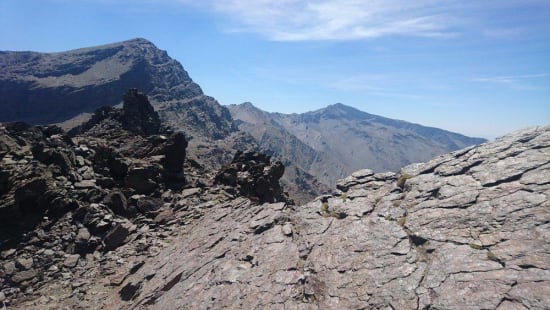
(174,156)
(143,179)
(253,174)
(138,115)
(117,235)
(30,197)
(117,202)
(110,163)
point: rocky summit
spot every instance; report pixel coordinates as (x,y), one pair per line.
(111,217)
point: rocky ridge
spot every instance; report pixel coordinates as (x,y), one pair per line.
(78,208)
(465,230)
(58,86)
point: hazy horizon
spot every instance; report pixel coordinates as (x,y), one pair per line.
(477,68)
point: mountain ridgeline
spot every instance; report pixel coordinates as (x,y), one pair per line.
(335,141)
(317,148)
(41,88)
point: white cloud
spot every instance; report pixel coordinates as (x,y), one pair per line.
(308,20)
(298,20)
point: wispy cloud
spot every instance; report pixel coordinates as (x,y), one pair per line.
(517,82)
(298,20)
(307,20)
(338,20)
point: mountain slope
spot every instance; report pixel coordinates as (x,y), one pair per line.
(101,220)
(344,139)
(44,88)
(63,87)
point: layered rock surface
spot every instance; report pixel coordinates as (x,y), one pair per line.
(466,230)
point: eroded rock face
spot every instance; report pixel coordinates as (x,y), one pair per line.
(253,174)
(467,230)
(174,155)
(138,115)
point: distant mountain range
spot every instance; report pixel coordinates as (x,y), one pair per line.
(335,141)
(317,147)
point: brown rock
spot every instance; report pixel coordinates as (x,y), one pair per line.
(25,275)
(117,235)
(71,260)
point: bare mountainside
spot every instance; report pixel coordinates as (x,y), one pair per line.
(42,88)
(332,142)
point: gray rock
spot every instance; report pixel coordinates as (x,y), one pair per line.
(174,156)
(71,260)
(118,203)
(446,240)
(147,205)
(117,235)
(24,263)
(9,268)
(143,179)
(25,275)
(30,197)
(85,184)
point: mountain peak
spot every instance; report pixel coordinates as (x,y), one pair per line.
(59,86)
(247,105)
(339,110)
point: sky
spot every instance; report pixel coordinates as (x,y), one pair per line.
(481,68)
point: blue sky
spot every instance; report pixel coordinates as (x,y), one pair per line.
(481,68)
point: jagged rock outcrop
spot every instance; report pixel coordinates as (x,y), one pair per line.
(253,174)
(98,202)
(174,155)
(138,116)
(467,230)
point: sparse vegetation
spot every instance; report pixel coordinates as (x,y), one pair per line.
(492,256)
(401,221)
(324,209)
(344,197)
(402,179)
(475,246)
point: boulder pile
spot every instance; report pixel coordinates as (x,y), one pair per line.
(89,203)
